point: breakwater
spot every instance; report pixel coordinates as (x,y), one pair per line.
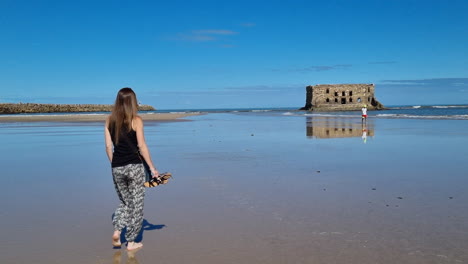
(10,108)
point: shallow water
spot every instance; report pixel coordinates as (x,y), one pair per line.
(247,188)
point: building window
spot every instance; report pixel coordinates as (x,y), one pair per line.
(328,100)
(359,100)
(350,100)
(328,90)
(368,89)
(343,100)
(343,93)
(336,93)
(368,99)
(350,93)
(336,100)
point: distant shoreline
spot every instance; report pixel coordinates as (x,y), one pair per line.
(31,108)
(88,117)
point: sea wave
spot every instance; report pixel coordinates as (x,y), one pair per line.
(260,110)
(428,106)
(457,117)
(450,106)
(393,116)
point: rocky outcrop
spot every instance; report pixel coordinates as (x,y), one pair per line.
(341,97)
(59,108)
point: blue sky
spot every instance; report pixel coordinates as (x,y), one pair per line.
(232,54)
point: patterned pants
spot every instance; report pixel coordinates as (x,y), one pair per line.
(128,182)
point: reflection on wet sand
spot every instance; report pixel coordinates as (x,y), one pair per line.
(338,127)
(131,257)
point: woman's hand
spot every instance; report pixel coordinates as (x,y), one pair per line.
(154,172)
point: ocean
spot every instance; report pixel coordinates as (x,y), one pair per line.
(448,112)
(458,112)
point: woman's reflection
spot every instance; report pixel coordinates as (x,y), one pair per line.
(131,257)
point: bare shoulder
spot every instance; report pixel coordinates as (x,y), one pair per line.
(137,121)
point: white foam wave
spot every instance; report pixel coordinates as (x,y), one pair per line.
(440,106)
(457,117)
(449,106)
(417,106)
(264,110)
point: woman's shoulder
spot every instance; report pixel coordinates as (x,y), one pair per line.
(138,119)
(137,122)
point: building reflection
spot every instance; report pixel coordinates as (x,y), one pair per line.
(338,127)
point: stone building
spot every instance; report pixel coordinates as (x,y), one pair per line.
(341,97)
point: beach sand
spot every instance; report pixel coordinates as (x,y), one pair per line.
(247,188)
(87,117)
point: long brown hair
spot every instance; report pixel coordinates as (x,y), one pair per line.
(125,109)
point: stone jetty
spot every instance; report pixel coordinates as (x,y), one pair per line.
(20,108)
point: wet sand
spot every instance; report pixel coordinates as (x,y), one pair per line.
(247,188)
(87,117)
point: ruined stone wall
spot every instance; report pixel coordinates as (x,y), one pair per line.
(338,97)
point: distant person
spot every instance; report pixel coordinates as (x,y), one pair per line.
(124,138)
(364,113)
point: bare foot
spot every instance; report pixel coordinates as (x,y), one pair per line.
(133,245)
(116,239)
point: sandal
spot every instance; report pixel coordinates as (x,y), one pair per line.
(162,178)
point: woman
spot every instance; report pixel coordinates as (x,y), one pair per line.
(124,138)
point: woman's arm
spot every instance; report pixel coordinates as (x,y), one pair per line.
(144,151)
(108,139)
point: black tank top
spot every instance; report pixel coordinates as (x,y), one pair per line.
(126,151)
